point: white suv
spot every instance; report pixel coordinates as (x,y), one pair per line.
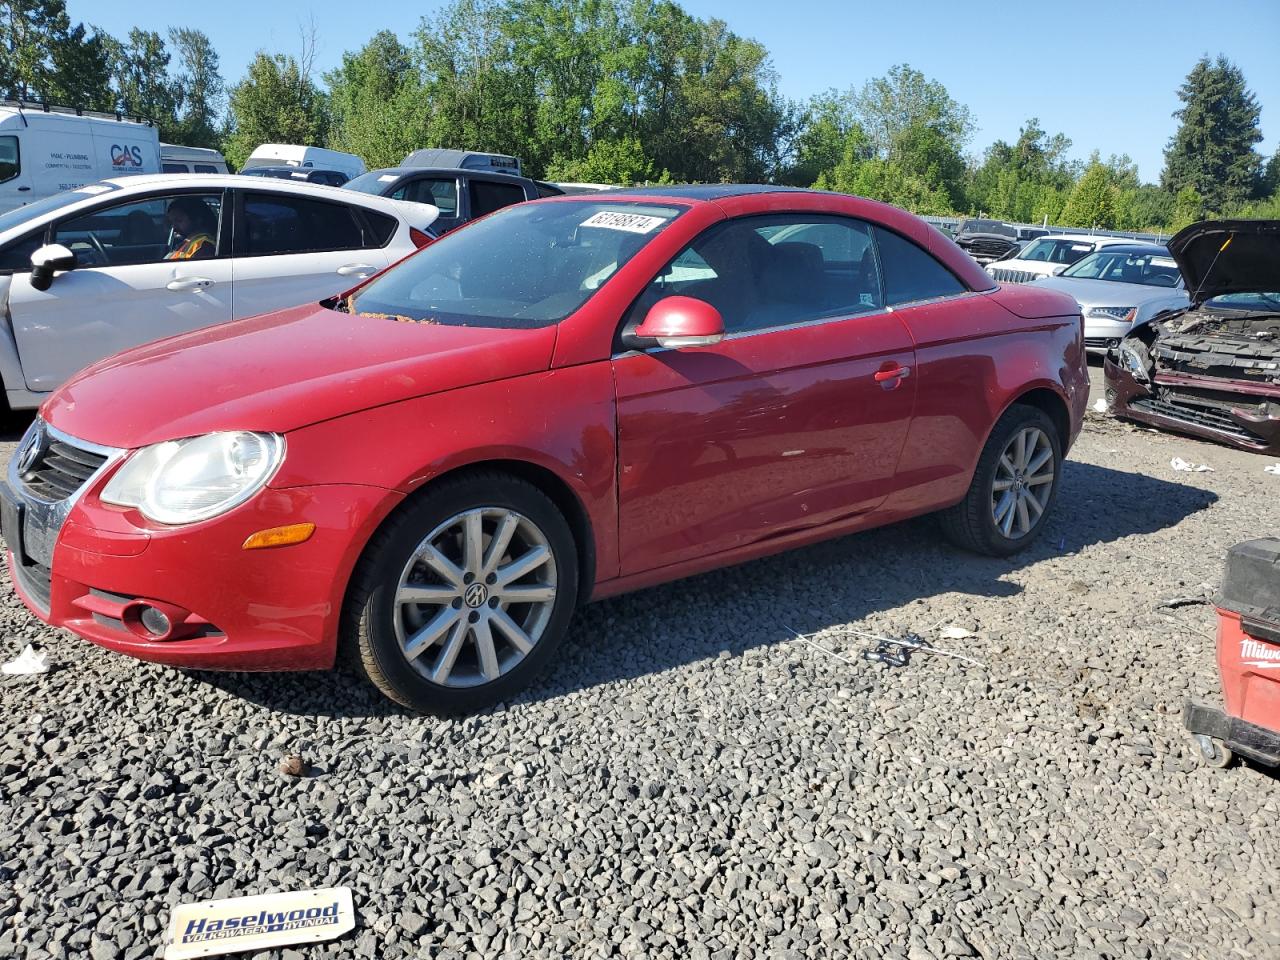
(91,271)
(1048,256)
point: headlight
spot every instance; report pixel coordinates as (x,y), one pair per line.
(1123,314)
(182,481)
(1133,363)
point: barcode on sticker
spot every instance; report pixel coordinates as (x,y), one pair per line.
(630,222)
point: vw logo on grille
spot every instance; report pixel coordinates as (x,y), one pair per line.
(476,595)
(30,451)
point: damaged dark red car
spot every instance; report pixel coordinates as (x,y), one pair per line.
(1213,369)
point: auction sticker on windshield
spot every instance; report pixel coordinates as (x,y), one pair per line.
(630,222)
(217,927)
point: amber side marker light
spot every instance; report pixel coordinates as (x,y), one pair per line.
(280,536)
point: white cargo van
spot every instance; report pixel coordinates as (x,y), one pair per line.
(178,159)
(46,149)
(291,155)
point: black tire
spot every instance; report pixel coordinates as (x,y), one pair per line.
(970,523)
(369,637)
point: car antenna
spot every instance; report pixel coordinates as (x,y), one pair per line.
(1195,298)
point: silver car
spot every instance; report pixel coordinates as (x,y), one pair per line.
(1120,288)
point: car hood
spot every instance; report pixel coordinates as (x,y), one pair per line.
(1228,256)
(281,371)
(1106,293)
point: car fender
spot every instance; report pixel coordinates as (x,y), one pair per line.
(560,423)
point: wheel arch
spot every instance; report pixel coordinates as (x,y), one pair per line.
(1053,405)
(550,483)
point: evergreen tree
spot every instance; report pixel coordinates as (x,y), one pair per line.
(1212,151)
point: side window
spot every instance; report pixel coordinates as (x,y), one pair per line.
(206,168)
(174,227)
(278,223)
(10,158)
(487,196)
(170,167)
(381,228)
(910,273)
(16,257)
(763,272)
(442,193)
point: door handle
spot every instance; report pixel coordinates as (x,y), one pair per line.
(891,374)
(189,283)
(23,189)
(356,270)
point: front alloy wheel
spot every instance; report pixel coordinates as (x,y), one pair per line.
(464,594)
(476,597)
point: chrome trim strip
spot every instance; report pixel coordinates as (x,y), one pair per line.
(44,518)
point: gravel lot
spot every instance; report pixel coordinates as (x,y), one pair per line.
(693,781)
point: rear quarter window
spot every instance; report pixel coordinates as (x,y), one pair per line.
(910,273)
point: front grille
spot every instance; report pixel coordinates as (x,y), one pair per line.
(1012,276)
(61,469)
(1100,343)
(35,580)
(1197,416)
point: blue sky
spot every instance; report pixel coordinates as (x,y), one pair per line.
(1104,72)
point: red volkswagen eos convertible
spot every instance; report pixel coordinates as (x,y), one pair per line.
(568,399)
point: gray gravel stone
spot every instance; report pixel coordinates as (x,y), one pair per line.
(690,780)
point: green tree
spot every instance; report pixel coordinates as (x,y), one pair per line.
(378,108)
(81,76)
(1212,150)
(1092,202)
(1188,207)
(276,102)
(198,89)
(28,32)
(904,129)
(1026,181)
(140,67)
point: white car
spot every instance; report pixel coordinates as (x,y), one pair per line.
(1121,288)
(95,270)
(1048,256)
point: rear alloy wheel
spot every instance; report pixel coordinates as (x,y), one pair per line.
(1024,478)
(465,615)
(1013,486)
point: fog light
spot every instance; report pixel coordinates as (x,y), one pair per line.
(155,622)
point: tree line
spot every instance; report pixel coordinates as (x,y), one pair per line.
(630,91)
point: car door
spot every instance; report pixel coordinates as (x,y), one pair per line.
(292,248)
(128,287)
(796,419)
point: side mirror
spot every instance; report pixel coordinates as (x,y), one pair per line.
(47,261)
(676,322)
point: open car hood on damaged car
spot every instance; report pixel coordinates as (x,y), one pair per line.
(1217,257)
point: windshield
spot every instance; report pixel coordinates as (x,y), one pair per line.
(1149,269)
(989,226)
(21,215)
(529,265)
(1260,302)
(374,182)
(1055,251)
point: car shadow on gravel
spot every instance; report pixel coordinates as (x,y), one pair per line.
(761,603)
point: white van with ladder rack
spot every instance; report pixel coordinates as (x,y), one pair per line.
(45,149)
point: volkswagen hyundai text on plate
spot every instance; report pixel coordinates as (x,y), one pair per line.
(568,399)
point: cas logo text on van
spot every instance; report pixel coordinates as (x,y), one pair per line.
(124,157)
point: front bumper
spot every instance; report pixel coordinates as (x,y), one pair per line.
(1154,404)
(1103,335)
(272,609)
